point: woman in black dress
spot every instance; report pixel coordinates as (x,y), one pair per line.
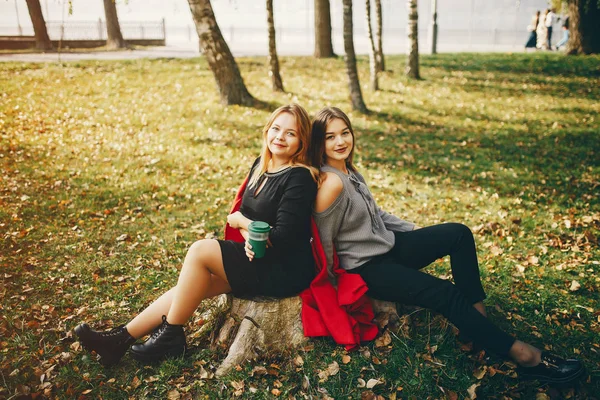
(280,191)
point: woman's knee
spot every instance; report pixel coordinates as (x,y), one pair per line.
(200,250)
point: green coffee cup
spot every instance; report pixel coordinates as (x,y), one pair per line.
(259,234)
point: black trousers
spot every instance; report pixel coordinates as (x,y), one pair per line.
(396,276)
(549,38)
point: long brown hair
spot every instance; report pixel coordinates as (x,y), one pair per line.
(303,129)
(319,130)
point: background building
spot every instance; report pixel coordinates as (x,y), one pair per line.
(463,25)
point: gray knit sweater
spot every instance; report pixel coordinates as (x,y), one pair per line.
(354,225)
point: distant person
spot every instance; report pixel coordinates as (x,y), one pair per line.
(549,22)
(542,32)
(531,28)
(566,34)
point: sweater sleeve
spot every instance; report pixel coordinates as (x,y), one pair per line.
(393,223)
(329,222)
(294,210)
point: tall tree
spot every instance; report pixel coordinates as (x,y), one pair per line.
(434,27)
(323,46)
(372,51)
(356,98)
(113,29)
(42,40)
(379,37)
(584,27)
(412,64)
(273,59)
(220,60)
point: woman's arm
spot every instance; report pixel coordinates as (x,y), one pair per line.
(394,223)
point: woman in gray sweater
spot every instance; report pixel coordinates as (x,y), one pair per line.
(389,253)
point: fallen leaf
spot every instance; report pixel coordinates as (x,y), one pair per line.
(472,389)
(173,395)
(135,382)
(275,392)
(371,383)
(258,370)
(298,361)
(346,359)
(333,368)
(361,383)
(575,286)
(383,340)
(480,372)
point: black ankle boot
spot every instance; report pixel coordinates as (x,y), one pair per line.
(109,346)
(553,370)
(166,341)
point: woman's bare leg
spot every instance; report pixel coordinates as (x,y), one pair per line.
(202,260)
(151,316)
(525,354)
(480,307)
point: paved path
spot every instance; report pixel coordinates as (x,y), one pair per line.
(150,52)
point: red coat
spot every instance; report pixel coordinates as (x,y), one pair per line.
(345,314)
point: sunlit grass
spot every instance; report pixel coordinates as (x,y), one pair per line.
(110,170)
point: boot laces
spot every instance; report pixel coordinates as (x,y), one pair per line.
(113,332)
(550,360)
(161,328)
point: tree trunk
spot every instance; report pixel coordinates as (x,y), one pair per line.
(356,98)
(273,59)
(323,46)
(584,27)
(222,64)
(379,37)
(42,40)
(372,52)
(113,29)
(412,65)
(264,326)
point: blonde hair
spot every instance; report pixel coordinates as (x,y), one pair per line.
(303,130)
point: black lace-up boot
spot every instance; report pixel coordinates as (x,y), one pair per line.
(553,370)
(110,346)
(166,341)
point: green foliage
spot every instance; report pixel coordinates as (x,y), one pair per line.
(110,170)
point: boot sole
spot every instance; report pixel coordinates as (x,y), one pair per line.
(152,358)
(556,381)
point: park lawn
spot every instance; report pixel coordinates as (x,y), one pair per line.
(110,170)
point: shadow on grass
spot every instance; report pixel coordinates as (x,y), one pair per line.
(542,64)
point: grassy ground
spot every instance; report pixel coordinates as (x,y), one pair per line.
(110,170)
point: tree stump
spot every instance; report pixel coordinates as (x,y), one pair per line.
(264,326)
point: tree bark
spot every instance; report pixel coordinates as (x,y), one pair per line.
(323,45)
(42,40)
(412,64)
(220,60)
(114,37)
(273,59)
(379,37)
(356,98)
(372,51)
(263,326)
(584,27)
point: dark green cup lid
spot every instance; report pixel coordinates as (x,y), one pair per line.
(259,226)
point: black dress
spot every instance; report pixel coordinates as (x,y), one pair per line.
(284,202)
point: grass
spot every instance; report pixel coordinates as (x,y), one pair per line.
(110,170)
